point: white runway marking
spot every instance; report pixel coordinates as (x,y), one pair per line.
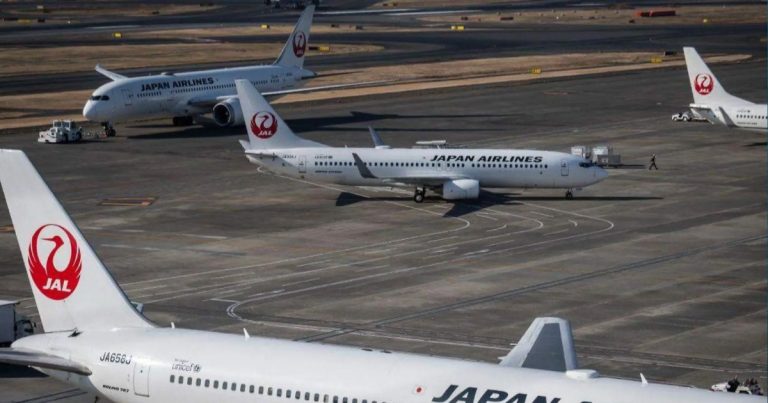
(542,214)
(497,229)
(556,232)
(574,222)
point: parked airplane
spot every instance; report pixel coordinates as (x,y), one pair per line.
(184,96)
(715,104)
(453,173)
(95,340)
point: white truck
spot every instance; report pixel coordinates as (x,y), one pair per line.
(12,325)
(62,131)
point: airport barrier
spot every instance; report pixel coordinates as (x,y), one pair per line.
(264,26)
(535,70)
(656,59)
(117,35)
(24,21)
(457,27)
(393,4)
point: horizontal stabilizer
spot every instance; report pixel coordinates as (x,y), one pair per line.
(377,141)
(112,76)
(547,345)
(15,356)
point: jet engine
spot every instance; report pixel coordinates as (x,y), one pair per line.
(461,189)
(228,113)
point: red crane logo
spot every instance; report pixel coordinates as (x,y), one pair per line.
(299,44)
(263,125)
(53,280)
(703,83)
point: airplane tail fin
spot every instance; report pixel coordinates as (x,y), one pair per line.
(73,290)
(295,48)
(704,85)
(266,130)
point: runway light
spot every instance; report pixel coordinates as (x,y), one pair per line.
(264,26)
(117,35)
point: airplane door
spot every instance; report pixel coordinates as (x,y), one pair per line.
(302,164)
(141,378)
(564,167)
(128,96)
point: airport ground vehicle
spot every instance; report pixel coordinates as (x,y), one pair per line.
(61,131)
(13,326)
(682,117)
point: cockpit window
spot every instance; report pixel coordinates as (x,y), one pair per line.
(99,98)
(586,164)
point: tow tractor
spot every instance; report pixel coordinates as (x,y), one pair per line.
(62,131)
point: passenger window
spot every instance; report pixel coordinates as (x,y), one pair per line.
(224,385)
(215,384)
(317,397)
(251,389)
(242,387)
(173,377)
(181,379)
(279,392)
(288,393)
(306,396)
(198,382)
(269,391)
(344,400)
(325,398)
(261,390)
(335,399)
(234,387)
(189,380)
(207,383)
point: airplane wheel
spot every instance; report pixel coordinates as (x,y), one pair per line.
(418,197)
(569,195)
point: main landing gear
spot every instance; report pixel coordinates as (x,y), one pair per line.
(418,195)
(183,121)
(569,194)
(109,130)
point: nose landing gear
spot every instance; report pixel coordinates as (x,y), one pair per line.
(569,194)
(418,195)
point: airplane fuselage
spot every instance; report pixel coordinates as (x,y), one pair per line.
(180,94)
(490,167)
(166,364)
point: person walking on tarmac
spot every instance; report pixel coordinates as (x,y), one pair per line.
(653,163)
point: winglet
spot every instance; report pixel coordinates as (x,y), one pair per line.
(364,171)
(547,345)
(643,380)
(111,75)
(377,142)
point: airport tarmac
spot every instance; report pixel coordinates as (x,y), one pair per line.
(660,272)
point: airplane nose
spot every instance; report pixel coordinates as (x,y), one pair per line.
(88,112)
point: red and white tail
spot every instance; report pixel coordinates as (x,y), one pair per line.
(705,87)
(72,288)
(295,49)
(266,130)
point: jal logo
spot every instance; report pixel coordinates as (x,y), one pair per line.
(299,44)
(264,125)
(54,261)
(703,84)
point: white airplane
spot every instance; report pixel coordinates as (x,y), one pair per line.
(714,103)
(184,96)
(96,340)
(453,173)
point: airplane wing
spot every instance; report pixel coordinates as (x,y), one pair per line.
(112,76)
(211,101)
(422,180)
(16,356)
(547,345)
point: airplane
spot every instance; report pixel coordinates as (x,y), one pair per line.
(96,340)
(187,95)
(453,173)
(715,104)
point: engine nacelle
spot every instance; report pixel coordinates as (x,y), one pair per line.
(228,113)
(461,189)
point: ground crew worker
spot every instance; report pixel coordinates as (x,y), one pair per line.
(653,163)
